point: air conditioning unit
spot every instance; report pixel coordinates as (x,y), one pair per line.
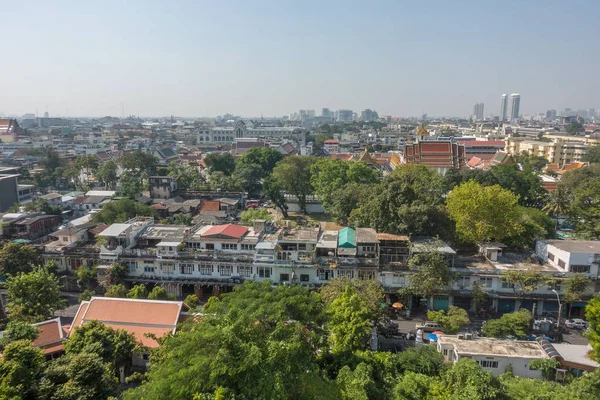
(460,336)
(468,336)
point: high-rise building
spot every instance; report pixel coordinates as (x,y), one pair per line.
(345,115)
(515,102)
(478,111)
(325,112)
(503,107)
(550,115)
(369,115)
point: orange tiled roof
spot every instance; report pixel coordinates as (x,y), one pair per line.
(50,336)
(137,317)
(210,205)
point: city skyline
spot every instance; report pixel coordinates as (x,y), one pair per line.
(273,58)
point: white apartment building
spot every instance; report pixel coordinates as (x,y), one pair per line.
(247,129)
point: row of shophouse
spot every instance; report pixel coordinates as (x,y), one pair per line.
(211,259)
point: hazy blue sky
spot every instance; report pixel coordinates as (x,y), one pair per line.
(197,58)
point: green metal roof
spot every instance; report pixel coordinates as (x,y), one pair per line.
(347,238)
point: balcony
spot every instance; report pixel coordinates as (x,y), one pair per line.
(110,253)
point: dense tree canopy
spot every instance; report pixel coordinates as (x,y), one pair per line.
(33,296)
(408,201)
(265,157)
(17,257)
(514,324)
(483,213)
(121,211)
(293,175)
(224,163)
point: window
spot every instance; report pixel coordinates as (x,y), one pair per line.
(301,246)
(304,277)
(210,246)
(284,277)
(245,271)
(206,269)
(366,275)
(550,256)
(247,247)
(368,249)
(324,274)
(148,269)
(65,239)
(488,364)
(345,274)
(398,279)
(229,246)
(145,356)
(264,272)
(506,285)
(168,268)
(445,352)
(170,248)
(225,270)
(187,269)
(132,265)
(486,282)
(464,282)
(561,263)
(580,268)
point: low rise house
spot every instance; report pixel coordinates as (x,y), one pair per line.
(574,358)
(138,317)
(51,338)
(493,355)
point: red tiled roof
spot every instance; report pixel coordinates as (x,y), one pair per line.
(50,336)
(342,156)
(159,207)
(473,161)
(332,141)
(210,205)
(231,230)
(137,317)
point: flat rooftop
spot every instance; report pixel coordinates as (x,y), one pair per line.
(299,235)
(576,246)
(165,232)
(494,347)
(506,262)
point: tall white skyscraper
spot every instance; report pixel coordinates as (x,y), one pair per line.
(503,105)
(478,111)
(515,102)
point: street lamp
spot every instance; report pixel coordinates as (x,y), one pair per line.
(559,310)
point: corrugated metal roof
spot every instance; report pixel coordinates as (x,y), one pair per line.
(347,237)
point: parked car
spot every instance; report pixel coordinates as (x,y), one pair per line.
(429,326)
(576,323)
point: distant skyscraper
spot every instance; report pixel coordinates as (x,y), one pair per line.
(478,111)
(369,115)
(325,112)
(503,107)
(551,115)
(515,102)
(345,115)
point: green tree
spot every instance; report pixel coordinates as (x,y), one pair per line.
(17,257)
(33,296)
(413,386)
(347,199)
(251,214)
(122,211)
(535,225)
(130,185)
(258,342)
(430,274)
(526,184)
(113,346)
(87,277)
(86,295)
(220,181)
(514,324)
(370,292)
(138,292)
(117,290)
(192,301)
(558,203)
(107,174)
(183,219)
(483,213)
(188,177)
(466,380)
(592,314)
(592,155)
(425,360)
(160,293)
(547,366)
(293,175)
(274,192)
(41,205)
(81,376)
(249,176)
(84,167)
(357,384)
(265,157)
(140,163)
(523,282)
(350,322)
(18,330)
(21,367)
(224,163)
(575,128)
(408,201)
(577,287)
(585,209)
(452,320)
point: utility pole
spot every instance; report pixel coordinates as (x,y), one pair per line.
(559,311)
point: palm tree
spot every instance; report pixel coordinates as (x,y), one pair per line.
(558,204)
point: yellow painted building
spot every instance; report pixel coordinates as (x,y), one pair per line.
(559,150)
